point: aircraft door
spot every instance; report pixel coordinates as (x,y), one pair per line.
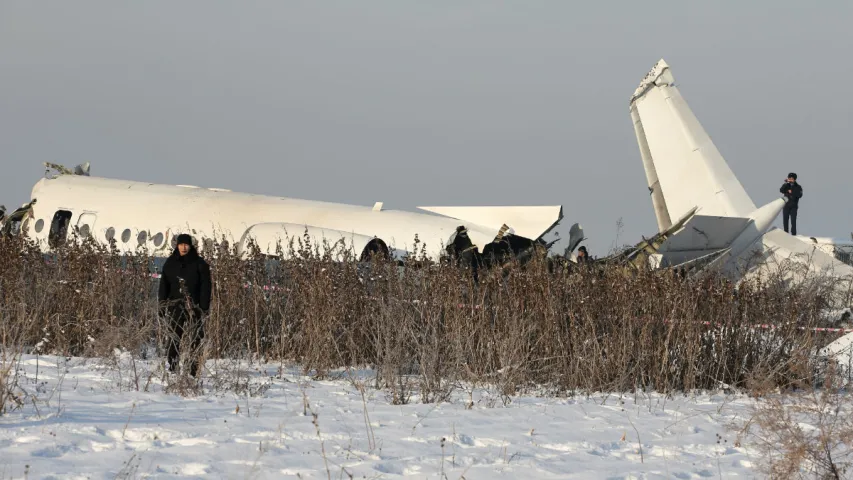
(86,224)
(59,228)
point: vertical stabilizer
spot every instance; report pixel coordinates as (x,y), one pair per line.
(683,166)
(658,201)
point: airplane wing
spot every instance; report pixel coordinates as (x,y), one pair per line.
(527,222)
(683,166)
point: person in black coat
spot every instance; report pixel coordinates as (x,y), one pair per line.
(792,192)
(184,296)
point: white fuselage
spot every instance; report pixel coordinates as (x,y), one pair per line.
(148,215)
(840,249)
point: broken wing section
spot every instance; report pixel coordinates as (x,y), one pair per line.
(683,166)
(527,222)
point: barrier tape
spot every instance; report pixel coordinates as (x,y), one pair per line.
(768,326)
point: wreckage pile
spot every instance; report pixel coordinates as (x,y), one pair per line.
(427,328)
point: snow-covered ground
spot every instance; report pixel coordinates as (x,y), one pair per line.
(85,423)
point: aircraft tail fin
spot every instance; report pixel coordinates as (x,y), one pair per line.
(683,167)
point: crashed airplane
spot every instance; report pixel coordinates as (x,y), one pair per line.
(140,215)
(703,212)
(691,186)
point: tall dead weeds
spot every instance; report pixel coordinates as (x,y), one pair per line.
(427,328)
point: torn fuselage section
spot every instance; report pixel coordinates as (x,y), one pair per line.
(494,236)
(15,222)
(82,169)
(463,248)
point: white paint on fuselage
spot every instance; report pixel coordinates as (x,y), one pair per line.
(138,211)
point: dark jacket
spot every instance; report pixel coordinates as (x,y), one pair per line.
(794,196)
(196,275)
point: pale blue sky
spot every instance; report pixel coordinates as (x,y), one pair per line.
(426,103)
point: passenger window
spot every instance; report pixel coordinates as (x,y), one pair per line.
(125,235)
(142,238)
(110,234)
(59,228)
(158,240)
(39,225)
(84,230)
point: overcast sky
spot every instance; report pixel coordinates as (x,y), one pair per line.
(427,103)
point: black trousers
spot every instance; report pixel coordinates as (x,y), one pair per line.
(789,212)
(183,320)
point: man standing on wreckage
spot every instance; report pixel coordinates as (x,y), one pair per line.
(793,191)
(184,298)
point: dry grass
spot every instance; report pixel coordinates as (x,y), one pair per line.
(426,328)
(804,434)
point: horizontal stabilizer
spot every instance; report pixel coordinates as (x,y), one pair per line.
(704,262)
(704,232)
(528,222)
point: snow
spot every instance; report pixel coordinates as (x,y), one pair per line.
(86,420)
(841,352)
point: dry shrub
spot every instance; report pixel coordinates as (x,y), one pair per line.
(804,434)
(427,327)
(11,394)
(17,328)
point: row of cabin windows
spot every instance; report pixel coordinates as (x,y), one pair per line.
(62,218)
